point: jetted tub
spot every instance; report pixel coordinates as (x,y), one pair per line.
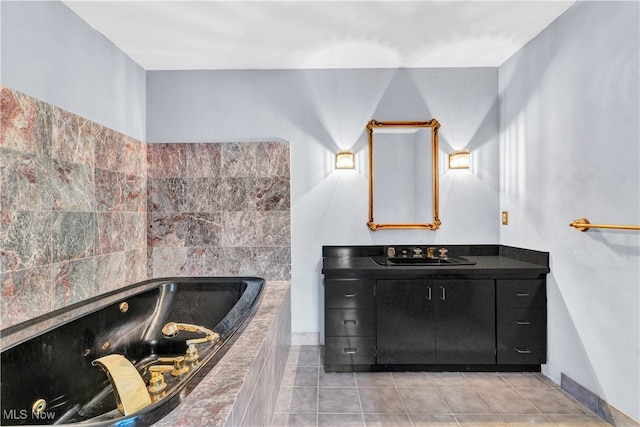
(47,375)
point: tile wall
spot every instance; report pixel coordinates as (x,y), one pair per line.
(85,209)
(72,208)
(219,209)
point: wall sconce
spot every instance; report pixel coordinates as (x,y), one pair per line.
(459,159)
(345,159)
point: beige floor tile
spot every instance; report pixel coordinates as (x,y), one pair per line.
(380,400)
(423,400)
(338,401)
(465,401)
(340,420)
(387,420)
(433,420)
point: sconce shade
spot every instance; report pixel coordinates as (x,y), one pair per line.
(345,159)
(459,160)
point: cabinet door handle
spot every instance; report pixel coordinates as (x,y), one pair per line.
(523,322)
(350,350)
(349,322)
(351,295)
(522,350)
(429,293)
(443,293)
(522,294)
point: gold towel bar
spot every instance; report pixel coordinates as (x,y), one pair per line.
(583,224)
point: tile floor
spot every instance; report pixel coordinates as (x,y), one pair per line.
(310,397)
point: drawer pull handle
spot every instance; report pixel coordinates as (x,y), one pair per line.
(350,350)
(351,295)
(522,294)
(350,322)
(522,350)
(523,322)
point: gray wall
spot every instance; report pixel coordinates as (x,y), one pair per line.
(320,111)
(569,146)
(52,55)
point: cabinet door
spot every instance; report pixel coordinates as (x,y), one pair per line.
(465,326)
(405,322)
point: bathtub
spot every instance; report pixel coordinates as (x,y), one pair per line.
(46,367)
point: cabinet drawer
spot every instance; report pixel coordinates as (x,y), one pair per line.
(349,293)
(521,293)
(350,350)
(522,350)
(516,321)
(349,322)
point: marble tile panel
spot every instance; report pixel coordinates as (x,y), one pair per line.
(231,194)
(207,261)
(202,195)
(135,156)
(273,228)
(239,229)
(134,193)
(169,262)
(71,138)
(26,240)
(272,159)
(203,160)
(239,159)
(74,235)
(167,229)
(74,281)
(25,181)
(109,149)
(136,266)
(203,229)
(166,160)
(110,272)
(25,294)
(274,263)
(109,188)
(112,232)
(269,194)
(73,187)
(135,230)
(166,195)
(25,123)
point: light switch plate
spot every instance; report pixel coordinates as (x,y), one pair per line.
(505,218)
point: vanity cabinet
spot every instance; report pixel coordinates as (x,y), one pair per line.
(521,321)
(435,322)
(350,326)
(485,315)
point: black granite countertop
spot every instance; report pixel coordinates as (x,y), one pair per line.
(491,261)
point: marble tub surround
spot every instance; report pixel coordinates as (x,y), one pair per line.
(242,389)
(219,209)
(73,208)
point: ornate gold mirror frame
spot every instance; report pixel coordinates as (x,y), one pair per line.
(405,128)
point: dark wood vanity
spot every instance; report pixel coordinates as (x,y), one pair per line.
(484,312)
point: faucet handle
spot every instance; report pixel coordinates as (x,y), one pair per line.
(443,252)
(156,382)
(179,368)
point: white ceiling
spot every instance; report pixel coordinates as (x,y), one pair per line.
(235,34)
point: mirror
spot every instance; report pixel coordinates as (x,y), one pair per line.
(403,175)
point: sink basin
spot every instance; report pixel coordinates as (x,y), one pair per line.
(421,261)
